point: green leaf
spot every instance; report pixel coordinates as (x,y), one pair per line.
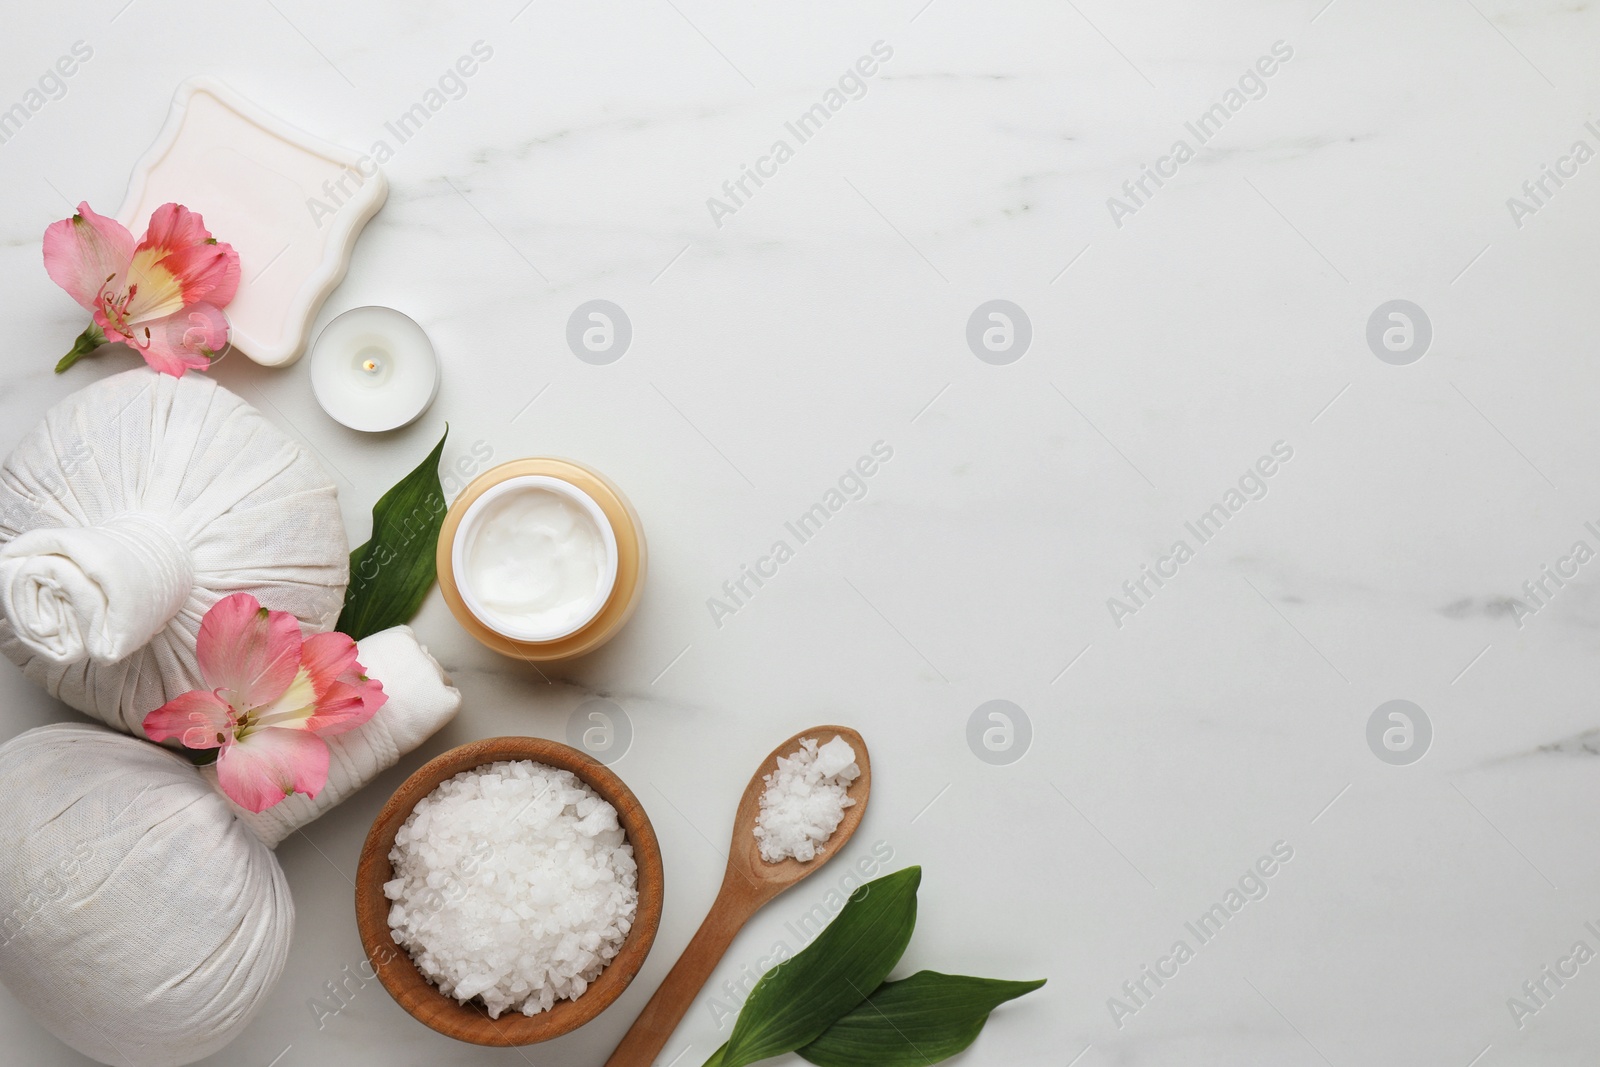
(391,574)
(800,998)
(919,1020)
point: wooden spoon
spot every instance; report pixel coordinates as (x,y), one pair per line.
(748,883)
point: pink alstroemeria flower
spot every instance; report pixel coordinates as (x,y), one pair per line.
(273,698)
(163,296)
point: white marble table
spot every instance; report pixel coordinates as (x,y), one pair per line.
(1177,336)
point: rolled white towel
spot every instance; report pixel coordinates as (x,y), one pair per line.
(99,593)
(421,700)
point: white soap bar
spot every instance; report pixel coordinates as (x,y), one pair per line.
(290,204)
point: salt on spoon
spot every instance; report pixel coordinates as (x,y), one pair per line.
(748,883)
(805,800)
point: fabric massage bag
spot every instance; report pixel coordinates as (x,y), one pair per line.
(143,916)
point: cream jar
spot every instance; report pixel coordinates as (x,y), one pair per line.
(542,559)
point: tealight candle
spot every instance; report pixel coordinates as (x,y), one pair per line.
(374,369)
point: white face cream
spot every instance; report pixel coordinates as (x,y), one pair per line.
(535,558)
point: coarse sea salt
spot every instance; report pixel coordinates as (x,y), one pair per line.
(805,799)
(514,884)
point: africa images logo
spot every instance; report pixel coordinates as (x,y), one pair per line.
(1252,85)
(851,85)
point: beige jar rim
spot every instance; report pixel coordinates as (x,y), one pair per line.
(631,559)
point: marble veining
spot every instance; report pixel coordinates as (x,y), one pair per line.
(834,308)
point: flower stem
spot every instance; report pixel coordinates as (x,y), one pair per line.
(89,340)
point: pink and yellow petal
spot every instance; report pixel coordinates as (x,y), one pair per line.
(177,240)
(200,719)
(292,708)
(208,272)
(83,253)
(346,706)
(248,654)
(108,326)
(269,765)
(183,342)
(372,694)
(154,289)
(326,657)
(174,226)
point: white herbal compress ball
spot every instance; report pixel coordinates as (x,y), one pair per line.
(139,502)
(123,864)
(143,916)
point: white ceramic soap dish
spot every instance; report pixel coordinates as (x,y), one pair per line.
(292,205)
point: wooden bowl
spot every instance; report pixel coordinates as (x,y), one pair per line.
(470,1021)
